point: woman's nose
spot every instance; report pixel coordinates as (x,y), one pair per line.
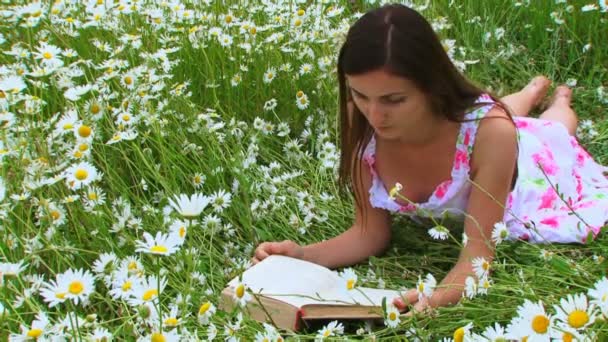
(376,112)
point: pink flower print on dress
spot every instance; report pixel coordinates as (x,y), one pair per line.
(546,161)
(461,157)
(442,189)
(551,221)
(522,124)
(407,208)
(547,199)
(467,137)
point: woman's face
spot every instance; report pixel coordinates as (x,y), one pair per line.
(392,105)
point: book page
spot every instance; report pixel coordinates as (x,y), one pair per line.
(298,282)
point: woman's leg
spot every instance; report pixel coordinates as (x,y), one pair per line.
(560,109)
(522,102)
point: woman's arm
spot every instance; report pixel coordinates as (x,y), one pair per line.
(494,156)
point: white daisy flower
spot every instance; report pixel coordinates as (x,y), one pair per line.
(12,84)
(161,244)
(75,285)
(496,333)
(128,80)
(165,336)
(349,278)
(205,311)
(391,316)
(470,287)
(269,75)
(220,200)
(146,290)
(236,80)
(83,131)
(75,93)
(39,329)
(439,232)
(270,105)
(189,207)
(49,55)
(225,40)
(100,334)
(302,102)
(483,285)
(463,333)
(575,311)
(241,296)
(481,267)
(79,175)
(532,321)
(105,263)
(305,68)
(333,328)
(599,295)
(500,232)
(426,287)
(179,229)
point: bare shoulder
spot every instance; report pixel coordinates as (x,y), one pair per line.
(496,139)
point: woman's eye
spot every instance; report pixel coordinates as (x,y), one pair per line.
(395,101)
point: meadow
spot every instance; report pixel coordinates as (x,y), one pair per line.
(148,147)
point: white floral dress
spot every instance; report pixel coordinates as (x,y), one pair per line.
(549,159)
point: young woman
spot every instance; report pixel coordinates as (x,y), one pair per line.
(409,117)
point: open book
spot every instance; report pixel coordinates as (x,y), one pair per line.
(286,291)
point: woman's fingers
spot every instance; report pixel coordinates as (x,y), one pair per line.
(407,298)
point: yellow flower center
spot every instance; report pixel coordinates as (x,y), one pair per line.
(81,174)
(126,286)
(228,19)
(421,287)
(182,232)
(298,22)
(150,294)
(459,335)
(47,55)
(92,196)
(60,295)
(2,95)
(204,308)
(567,337)
(540,324)
(84,131)
(485,265)
(299,94)
(76,287)
(301,12)
(392,316)
(69,20)
(604,298)
(350,284)
(158,249)
(303,100)
(270,75)
(326,332)
(158,337)
(34,333)
(77,154)
(68,126)
(253,30)
(55,215)
(83,147)
(240,291)
(132,265)
(578,318)
(126,117)
(95,108)
(197,179)
(157,20)
(171,321)
(128,80)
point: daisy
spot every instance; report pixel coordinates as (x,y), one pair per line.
(270,105)
(220,200)
(39,328)
(483,285)
(49,55)
(161,244)
(305,68)
(604,5)
(189,207)
(100,334)
(302,102)
(12,85)
(83,132)
(599,295)
(75,285)
(128,80)
(470,287)
(439,232)
(391,316)
(481,267)
(66,123)
(463,333)
(198,180)
(75,93)
(79,175)
(269,75)
(105,264)
(241,296)
(225,40)
(532,321)
(205,311)
(333,328)
(426,287)
(132,265)
(123,284)
(146,290)
(575,312)
(236,80)
(495,334)
(178,230)
(349,278)
(165,336)
(500,232)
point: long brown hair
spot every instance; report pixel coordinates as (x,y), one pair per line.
(397,39)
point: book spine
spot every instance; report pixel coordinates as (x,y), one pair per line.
(298,323)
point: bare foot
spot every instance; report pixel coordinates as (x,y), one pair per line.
(560,109)
(537,89)
(523,101)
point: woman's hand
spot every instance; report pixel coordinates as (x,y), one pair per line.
(408,298)
(285,247)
